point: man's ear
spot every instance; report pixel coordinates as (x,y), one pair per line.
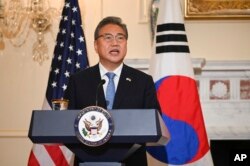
(95,45)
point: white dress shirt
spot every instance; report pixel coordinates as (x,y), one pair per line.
(103,75)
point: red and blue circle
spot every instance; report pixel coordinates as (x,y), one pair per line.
(181,112)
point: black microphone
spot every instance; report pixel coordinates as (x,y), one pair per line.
(97,90)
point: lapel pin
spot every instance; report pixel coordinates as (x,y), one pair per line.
(128,79)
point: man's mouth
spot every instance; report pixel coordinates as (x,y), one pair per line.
(114,51)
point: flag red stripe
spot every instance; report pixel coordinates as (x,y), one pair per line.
(56,155)
(32,160)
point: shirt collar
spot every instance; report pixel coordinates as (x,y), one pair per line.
(117,71)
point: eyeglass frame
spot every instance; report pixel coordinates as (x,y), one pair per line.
(116,37)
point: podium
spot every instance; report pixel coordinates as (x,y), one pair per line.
(132,128)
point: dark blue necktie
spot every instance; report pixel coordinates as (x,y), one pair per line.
(110,92)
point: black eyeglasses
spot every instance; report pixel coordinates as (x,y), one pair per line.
(109,37)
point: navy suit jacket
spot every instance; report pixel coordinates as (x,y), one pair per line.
(135,90)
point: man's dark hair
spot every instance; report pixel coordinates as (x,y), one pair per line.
(110,20)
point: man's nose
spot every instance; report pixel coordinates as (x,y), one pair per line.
(114,41)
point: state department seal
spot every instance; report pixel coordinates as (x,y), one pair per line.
(94,126)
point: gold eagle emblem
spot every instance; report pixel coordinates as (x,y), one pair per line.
(93,128)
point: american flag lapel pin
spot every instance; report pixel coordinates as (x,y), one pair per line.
(128,79)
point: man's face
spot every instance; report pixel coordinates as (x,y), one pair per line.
(111,46)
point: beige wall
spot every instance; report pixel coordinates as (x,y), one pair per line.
(219,40)
(23,82)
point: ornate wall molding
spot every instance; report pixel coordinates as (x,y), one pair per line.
(13,133)
(143,64)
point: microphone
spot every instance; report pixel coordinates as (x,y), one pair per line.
(97,90)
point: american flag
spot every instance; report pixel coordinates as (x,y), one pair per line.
(70,56)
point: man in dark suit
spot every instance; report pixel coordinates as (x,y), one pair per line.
(133,88)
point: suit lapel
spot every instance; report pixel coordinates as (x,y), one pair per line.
(123,86)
